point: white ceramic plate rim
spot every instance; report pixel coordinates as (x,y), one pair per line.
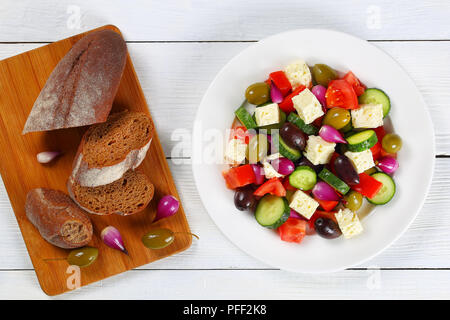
(427,167)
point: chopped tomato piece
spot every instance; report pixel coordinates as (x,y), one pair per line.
(239,176)
(241,133)
(367,186)
(355,83)
(380,132)
(293,230)
(341,94)
(281,81)
(287,184)
(376,151)
(272,186)
(287,105)
(327,205)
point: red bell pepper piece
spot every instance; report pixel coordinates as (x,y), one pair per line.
(376,151)
(281,81)
(367,186)
(293,230)
(287,105)
(380,132)
(327,205)
(287,184)
(239,176)
(272,186)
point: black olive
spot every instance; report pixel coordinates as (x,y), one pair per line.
(327,228)
(293,136)
(346,170)
(244,199)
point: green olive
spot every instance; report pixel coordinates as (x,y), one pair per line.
(354,200)
(258,93)
(257,148)
(338,118)
(158,238)
(82,257)
(323,74)
(391,143)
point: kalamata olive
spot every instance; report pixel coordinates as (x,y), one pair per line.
(327,228)
(258,93)
(305,162)
(82,257)
(346,170)
(293,136)
(244,199)
(158,238)
(353,200)
(391,143)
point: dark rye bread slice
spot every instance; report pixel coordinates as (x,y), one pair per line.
(109,149)
(81,89)
(128,195)
(59,220)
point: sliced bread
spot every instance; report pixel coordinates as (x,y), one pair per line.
(128,195)
(107,150)
(81,89)
(59,220)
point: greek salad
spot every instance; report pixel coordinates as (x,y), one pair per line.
(307,146)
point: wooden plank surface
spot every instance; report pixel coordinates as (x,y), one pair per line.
(21,79)
(175,75)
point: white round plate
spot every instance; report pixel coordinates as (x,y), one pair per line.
(409,117)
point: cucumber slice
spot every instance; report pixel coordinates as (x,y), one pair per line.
(386,192)
(334,181)
(376,96)
(275,125)
(288,152)
(303,178)
(362,141)
(245,117)
(309,129)
(272,211)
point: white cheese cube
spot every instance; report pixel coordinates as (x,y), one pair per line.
(298,73)
(270,172)
(307,106)
(361,160)
(368,116)
(303,204)
(268,114)
(235,152)
(348,223)
(319,151)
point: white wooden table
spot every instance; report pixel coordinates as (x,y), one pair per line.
(177,48)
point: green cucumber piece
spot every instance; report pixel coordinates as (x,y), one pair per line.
(286,151)
(278,125)
(386,192)
(245,117)
(309,129)
(376,96)
(303,178)
(339,185)
(362,141)
(272,211)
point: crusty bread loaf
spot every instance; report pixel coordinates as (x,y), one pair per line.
(59,220)
(81,89)
(109,149)
(126,196)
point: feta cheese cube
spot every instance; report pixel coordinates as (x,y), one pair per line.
(361,160)
(235,152)
(368,116)
(307,106)
(269,171)
(298,73)
(348,223)
(319,151)
(268,114)
(303,204)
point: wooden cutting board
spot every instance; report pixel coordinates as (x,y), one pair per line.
(21,79)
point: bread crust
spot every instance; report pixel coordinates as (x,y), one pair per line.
(59,220)
(81,89)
